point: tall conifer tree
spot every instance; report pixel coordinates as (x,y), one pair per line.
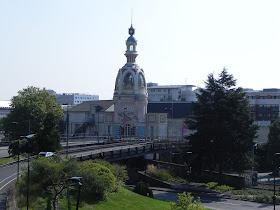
(223,128)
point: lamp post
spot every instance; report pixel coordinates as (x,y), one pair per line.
(15,124)
(74,180)
(97,130)
(67,128)
(190,168)
(274,171)
(253,161)
(27,196)
(67,131)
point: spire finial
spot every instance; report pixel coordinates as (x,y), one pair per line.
(131,16)
(131,30)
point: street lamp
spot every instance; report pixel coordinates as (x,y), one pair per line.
(255,146)
(74,180)
(67,129)
(274,171)
(15,124)
(190,168)
(97,130)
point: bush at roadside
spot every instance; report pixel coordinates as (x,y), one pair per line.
(186,202)
(142,188)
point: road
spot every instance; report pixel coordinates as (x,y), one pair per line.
(8,176)
(213,202)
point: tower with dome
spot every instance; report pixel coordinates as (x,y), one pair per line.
(127,115)
(130,94)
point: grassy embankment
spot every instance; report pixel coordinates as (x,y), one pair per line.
(127,200)
(8,160)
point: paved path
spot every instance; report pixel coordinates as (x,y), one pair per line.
(8,176)
(213,202)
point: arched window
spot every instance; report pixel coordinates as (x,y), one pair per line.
(128,81)
(141,81)
(131,48)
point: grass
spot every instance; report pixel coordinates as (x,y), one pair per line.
(126,199)
(164,175)
(7,160)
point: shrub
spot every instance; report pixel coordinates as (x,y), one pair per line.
(162,174)
(119,171)
(223,188)
(142,188)
(185,202)
(98,179)
(211,185)
(215,186)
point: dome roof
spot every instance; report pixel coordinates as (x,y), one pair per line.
(131,39)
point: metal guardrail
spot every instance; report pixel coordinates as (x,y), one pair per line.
(129,138)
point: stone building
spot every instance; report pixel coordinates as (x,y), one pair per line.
(127,114)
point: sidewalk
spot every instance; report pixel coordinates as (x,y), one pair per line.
(267,178)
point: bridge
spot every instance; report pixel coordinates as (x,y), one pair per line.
(123,149)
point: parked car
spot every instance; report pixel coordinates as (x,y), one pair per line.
(46,154)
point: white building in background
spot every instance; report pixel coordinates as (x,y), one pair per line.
(75,98)
(4,108)
(169,93)
(264,105)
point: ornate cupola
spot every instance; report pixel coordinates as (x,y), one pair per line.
(130,94)
(131,44)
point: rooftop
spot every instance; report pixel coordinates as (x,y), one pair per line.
(169,86)
(5,104)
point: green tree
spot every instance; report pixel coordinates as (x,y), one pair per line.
(48,177)
(36,111)
(223,128)
(273,144)
(48,180)
(274,133)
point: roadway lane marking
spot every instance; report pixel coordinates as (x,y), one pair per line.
(8,177)
(7,183)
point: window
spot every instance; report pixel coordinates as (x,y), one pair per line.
(128,81)
(109,129)
(141,81)
(131,48)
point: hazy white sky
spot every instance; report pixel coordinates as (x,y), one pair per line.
(78,46)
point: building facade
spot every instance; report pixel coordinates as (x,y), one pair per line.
(4,108)
(264,107)
(170,93)
(75,98)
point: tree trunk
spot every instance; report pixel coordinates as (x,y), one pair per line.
(55,200)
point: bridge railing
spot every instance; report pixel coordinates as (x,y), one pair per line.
(104,138)
(128,151)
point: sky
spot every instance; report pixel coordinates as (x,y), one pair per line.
(78,46)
